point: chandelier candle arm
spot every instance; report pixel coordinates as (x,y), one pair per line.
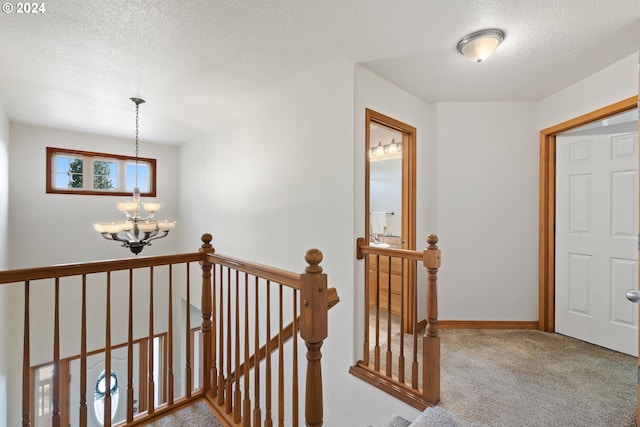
(128,232)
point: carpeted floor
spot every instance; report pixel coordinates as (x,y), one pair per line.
(531,378)
(505,378)
(194,415)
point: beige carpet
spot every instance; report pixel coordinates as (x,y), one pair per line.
(197,414)
(532,378)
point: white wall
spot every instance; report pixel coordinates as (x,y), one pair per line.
(614,83)
(59,227)
(488,210)
(4,188)
(5,304)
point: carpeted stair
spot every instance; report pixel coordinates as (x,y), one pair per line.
(435,416)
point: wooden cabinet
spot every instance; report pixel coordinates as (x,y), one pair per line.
(384,281)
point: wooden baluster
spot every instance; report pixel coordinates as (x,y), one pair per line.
(143,350)
(257,413)
(367,316)
(313,329)
(206,309)
(26,362)
(228,384)
(107,355)
(83,356)
(220,317)
(170,340)
(431,340)
(237,394)
(246,403)
(280,361)
(414,361)
(294,368)
(389,359)
(214,323)
(376,351)
(55,414)
(367,296)
(130,398)
(402,311)
(188,375)
(268,422)
(150,365)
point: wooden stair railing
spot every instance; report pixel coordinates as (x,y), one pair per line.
(86,278)
(243,380)
(149,280)
(283,336)
(418,381)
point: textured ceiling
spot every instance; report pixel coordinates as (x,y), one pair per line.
(199,63)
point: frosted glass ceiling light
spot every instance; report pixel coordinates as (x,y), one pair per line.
(128,232)
(480,45)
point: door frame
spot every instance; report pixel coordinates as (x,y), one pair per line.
(547,206)
(408,231)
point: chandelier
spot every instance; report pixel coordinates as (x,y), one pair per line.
(138,230)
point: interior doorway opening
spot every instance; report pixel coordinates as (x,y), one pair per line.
(547,212)
(390,211)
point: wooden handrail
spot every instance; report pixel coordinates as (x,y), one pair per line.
(272,274)
(65,270)
(363,250)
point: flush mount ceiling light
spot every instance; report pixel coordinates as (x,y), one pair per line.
(480,45)
(138,230)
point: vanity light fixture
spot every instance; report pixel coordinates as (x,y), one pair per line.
(381,149)
(392,148)
(480,45)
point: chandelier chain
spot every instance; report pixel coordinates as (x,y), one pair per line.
(137,126)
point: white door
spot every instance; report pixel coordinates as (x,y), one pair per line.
(596,235)
(95,366)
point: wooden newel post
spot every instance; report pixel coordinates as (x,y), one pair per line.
(431,340)
(313,330)
(205,250)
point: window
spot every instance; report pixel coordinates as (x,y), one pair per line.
(43,378)
(84,172)
(100,392)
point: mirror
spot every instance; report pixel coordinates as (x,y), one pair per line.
(385,186)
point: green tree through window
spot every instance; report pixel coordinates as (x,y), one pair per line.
(75,174)
(101,175)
